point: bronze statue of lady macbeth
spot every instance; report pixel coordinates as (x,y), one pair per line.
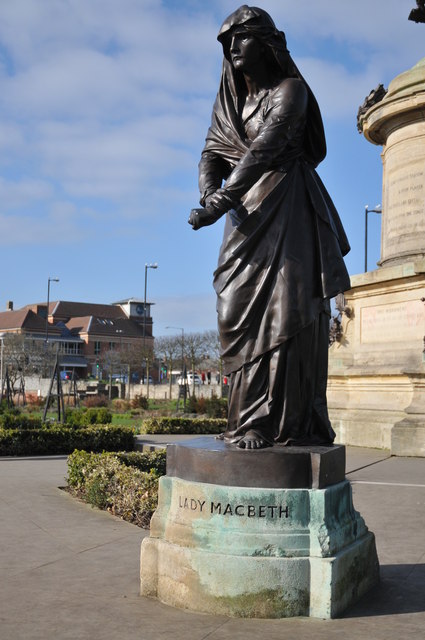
(281,257)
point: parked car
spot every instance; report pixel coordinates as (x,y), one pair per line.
(143,380)
(69,375)
(190,380)
(119,377)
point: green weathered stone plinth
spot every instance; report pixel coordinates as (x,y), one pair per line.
(252,552)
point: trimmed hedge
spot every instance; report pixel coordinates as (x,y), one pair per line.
(74,418)
(184,425)
(145,460)
(17,420)
(61,440)
(126,485)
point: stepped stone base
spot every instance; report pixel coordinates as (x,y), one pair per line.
(260,552)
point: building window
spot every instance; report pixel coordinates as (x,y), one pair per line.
(70,348)
(96,348)
(112,346)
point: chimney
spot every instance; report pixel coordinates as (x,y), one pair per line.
(9,305)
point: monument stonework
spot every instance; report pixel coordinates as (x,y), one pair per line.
(376,384)
(269,534)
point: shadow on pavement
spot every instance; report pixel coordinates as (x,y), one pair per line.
(401,590)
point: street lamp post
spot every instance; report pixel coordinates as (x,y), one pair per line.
(147,266)
(377,209)
(49,280)
(127,366)
(120,332)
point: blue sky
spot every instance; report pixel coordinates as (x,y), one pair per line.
(104,107)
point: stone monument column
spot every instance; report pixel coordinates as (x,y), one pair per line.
(398,124)
(376,386)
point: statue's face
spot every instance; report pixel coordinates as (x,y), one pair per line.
(245,51)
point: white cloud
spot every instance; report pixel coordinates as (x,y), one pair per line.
(338,91)
(60,226)
(113,162)
(11,141)
(22,193)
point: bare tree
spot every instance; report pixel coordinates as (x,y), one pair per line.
(168,348)
(24,356)
(128,358)
(212,345)
(194,346)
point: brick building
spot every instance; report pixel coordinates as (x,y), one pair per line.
(87,334)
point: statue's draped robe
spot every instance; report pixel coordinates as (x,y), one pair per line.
(280,262)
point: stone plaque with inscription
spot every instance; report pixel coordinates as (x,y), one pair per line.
(393,322)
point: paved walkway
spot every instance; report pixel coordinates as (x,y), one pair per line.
(71,572)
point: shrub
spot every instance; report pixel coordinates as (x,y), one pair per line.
(216,407)
(135,495)
(98,416)
(202,404)
(120,405)
(145,461)
(192,404)
(32,408)
(96,401)
(74,417)
(140,402)
(213,407)
(5,409)
(34,400)
(81,463)
(107,482)
(184,425)
(60,439)
(81,417)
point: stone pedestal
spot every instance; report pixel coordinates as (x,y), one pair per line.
(376,372)
(376,384)
(257,551)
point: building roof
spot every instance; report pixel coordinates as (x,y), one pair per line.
(112,327)
(24,320)
(65,309)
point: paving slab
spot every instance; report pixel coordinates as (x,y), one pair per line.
(71,572)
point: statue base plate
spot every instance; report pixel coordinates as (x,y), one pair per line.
(259,552)
(207,459)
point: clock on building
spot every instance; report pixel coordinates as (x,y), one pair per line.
(140,309)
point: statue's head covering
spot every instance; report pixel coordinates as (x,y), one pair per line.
(257,22)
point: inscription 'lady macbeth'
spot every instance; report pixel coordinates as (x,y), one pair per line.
(226,509)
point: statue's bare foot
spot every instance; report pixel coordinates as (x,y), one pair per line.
(253,440)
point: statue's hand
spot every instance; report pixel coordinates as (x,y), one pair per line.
(202,218)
